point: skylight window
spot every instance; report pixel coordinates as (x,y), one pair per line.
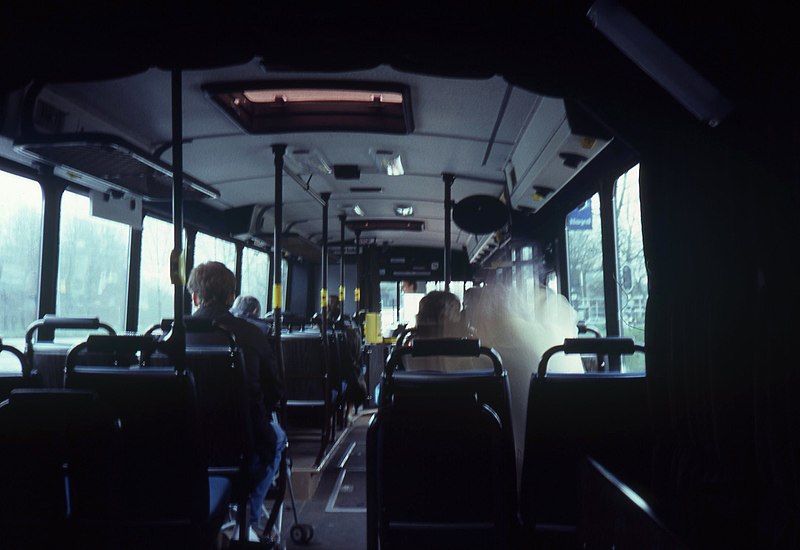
(272,107)
(319,96)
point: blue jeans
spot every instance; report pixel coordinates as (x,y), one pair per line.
(260,492)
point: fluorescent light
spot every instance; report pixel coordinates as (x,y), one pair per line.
(358,211)
(404,210)
(388,162)
(659,61)
(286,95)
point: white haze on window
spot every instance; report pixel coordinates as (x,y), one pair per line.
(521,325)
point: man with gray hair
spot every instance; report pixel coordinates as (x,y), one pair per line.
(248,307)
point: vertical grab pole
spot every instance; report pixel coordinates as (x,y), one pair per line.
(177,260)
(327,433)
(323,294)
(448,184)
(357,292)
(342,286)
(278,151)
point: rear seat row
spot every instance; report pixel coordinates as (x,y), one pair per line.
(122,456)
(441,468)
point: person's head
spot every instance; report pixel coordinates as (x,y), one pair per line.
(334,306)
(247,307)
(211,283)
(409,286)
(439,315)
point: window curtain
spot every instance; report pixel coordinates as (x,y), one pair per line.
(723,383)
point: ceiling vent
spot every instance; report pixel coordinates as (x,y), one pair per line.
(385,225)
(104,162)
(346,171)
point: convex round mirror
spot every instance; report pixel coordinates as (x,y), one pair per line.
(480,214)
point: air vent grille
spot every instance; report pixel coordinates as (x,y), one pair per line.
(110,162)
(386,225)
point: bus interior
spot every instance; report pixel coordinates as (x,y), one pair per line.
(638,160)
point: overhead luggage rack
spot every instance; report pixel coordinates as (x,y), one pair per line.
(107,162)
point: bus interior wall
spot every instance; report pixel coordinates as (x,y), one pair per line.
(719,203)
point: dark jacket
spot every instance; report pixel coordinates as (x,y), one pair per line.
(264,385)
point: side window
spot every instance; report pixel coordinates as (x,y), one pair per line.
(285,281)
(156,293)
(208,248)
(255,276)
(389,306)
(585,263)
(631,271)
(524,273)
(92,265)
(20,251)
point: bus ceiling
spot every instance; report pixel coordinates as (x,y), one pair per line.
(515,115)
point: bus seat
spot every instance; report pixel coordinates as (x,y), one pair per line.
(218,368)
(309,382)
(12,380)
(47,359)
(147,484)
(490,386)
(570,416)
(440,456)
(42,432)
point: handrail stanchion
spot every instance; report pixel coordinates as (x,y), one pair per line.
(327,433)
(278,151)
(342,220)
(177,265)
(448,185)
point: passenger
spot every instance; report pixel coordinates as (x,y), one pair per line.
(439,316)
(355,388)
(248,307)
(409,287)
(212,286)
(334,309)
(471,303)
(520,327)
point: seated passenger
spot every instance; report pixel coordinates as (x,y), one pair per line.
(471,303)
(521,326)
(439,316)
(212,286)
(248,307)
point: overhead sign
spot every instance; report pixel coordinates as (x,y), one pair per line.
(581,217)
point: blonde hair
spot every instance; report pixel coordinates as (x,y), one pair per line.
(439,315)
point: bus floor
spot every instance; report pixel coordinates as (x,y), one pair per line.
(337,510)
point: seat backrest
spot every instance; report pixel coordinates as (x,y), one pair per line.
(441,468)
(15,372)
(217,365)
(41,431)
(47,359)
(489,387)
(152,469)
(440,474)
(570,416)
(304,366)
